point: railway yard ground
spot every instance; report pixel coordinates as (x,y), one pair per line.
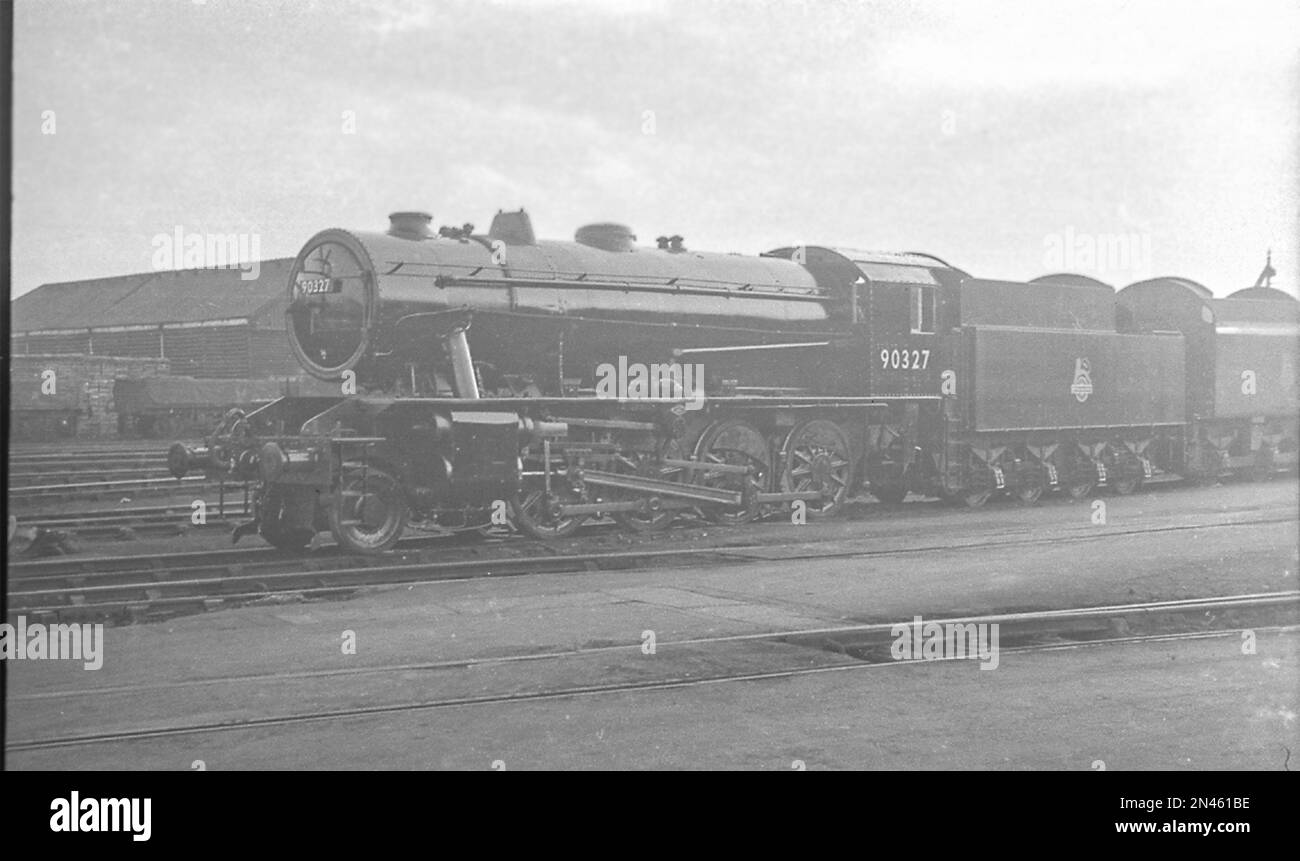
(1156,632)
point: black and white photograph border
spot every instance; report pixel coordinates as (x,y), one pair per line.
(574,385)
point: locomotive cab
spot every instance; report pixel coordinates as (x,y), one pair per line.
(893,310)
(893,307)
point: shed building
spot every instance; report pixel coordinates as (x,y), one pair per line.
(207,323)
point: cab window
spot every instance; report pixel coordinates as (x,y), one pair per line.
(923,310)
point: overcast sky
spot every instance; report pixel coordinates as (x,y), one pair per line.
(1006,137)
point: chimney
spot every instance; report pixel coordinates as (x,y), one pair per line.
(410,225)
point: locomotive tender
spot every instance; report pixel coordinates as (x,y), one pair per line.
(567,380)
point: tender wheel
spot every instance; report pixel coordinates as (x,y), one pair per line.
(1078,488)
(369,513)
(280,517)
(1263,468)
(1029,478)
(1203,463)
(816,457)
(535,513)
(1126,486)
(1028,494)
(1078,477)
(1119,483)
(968,498)
(736,443)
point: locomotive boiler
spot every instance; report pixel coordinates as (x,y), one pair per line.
(545,314)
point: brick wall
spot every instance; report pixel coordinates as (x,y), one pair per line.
(81,382)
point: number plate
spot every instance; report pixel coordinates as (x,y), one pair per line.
(904,359)
(315,286)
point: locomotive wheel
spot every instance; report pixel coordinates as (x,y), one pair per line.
(533,512)
(653,521)
(892,494)
(369,512)
(736,443)
(274,522)
(648,467)
(816,457)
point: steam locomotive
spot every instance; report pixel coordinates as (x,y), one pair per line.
(490,376)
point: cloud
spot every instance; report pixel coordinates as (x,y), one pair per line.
(969,129)
(1021,46)
(387,17)
(612,8)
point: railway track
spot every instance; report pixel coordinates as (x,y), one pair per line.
(132,522)
(142,587)
(72,461)
(89,490)
(74,467)
(801,652)
(167,518)
(78,475)
(85,447)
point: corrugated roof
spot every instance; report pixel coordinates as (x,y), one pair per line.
(181,296)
